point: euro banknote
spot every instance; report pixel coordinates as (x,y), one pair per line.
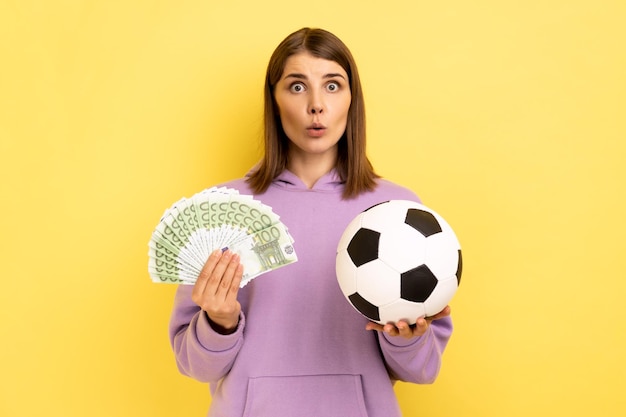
(217,218)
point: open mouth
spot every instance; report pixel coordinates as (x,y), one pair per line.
(316,131)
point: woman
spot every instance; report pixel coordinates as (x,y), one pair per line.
(288,343)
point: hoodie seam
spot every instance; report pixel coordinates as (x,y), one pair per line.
(299,190)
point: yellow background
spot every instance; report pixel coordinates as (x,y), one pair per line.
(507,117)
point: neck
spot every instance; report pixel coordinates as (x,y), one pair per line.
(311,169)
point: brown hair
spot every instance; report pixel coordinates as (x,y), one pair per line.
(353,166)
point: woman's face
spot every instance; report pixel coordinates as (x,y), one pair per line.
(313,97)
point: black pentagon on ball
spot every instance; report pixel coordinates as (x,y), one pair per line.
(363,247)
(417,284)
(366,308)
(459,269)
(422,221)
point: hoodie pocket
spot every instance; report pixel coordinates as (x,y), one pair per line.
(305,396)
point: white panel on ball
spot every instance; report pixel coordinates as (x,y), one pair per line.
(441,296)
(401,310)
(346,273)
(378,283)
(377,219)
(442,258)
(401,247)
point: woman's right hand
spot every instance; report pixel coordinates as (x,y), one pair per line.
(216,288)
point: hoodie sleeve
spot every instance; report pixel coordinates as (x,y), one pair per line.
(200,351)
(416,360)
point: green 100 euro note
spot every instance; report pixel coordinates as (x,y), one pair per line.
(217,218)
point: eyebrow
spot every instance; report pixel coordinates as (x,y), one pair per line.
(304,77)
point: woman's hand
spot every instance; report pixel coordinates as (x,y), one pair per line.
(403,329)
(216,288)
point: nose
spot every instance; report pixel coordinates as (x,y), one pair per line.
(315,104)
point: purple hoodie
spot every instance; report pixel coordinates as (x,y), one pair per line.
(300,349)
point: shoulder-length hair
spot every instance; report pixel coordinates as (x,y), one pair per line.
(353,166)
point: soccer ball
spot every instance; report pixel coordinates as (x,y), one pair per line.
(398,260)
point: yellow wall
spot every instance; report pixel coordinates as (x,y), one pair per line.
(508,117)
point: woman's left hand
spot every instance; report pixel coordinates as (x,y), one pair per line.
(403,329)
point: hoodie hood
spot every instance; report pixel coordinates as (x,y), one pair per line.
(329,182)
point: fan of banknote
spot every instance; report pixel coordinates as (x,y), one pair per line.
(217,218)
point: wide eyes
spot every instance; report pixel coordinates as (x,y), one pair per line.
(299,87)
(296,88)
(332,86)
